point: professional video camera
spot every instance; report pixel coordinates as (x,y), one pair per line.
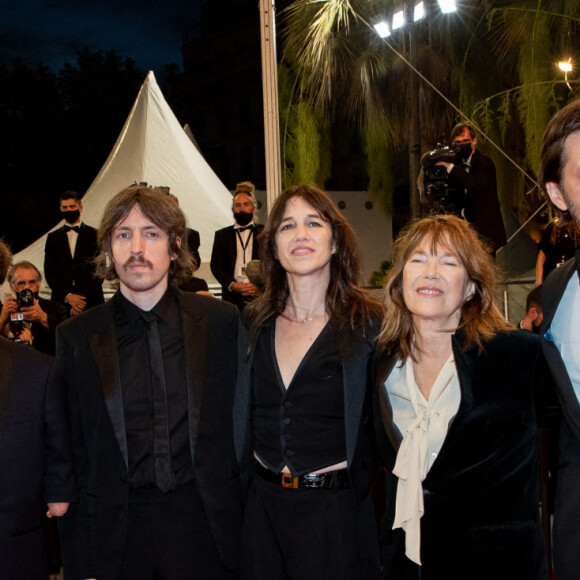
(436,179)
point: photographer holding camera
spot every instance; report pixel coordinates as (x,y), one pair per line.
(42,315)
(473,173)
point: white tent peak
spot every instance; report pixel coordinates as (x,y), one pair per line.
(153,148)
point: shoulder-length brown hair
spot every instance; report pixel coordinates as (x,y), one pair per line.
(160,209)
(480,317)
(346,301)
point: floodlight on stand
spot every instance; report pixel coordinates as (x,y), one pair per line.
(382,29)
(398,20)
(447,6)
(419,11)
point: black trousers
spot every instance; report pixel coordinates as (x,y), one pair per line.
(307,534)
(168,538)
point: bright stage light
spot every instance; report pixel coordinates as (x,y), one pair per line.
(382,29)
(419,11)
(565,66)
(398,19)
(447,6)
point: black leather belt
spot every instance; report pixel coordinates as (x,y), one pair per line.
(329,480)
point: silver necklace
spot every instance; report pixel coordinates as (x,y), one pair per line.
(298,320)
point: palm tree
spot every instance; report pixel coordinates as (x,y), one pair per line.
(492,63)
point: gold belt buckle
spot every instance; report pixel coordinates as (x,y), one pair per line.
(289,481)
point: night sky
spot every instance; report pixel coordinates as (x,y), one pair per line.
(150,32)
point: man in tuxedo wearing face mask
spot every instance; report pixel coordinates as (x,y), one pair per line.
(474,174)
(68,259)
(235,246)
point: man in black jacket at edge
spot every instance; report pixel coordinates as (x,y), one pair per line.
(560,331)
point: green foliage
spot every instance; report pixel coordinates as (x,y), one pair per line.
(495,60)
(535,99)
(379,152)
(305,135)
(378,276)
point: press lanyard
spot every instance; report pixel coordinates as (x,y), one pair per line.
(244,246)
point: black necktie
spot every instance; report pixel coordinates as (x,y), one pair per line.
(164,477)
(76,229)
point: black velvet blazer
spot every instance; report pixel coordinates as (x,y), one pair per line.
(481,494)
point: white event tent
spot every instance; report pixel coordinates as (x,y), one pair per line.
(154,148)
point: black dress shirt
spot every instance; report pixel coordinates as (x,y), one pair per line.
(137,389)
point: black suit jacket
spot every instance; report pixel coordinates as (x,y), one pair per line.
(193,243)
(44,338)
(35,458)
(567,512)
(481,205)
(223,259)
(93,532)
(357,409)
(65,274)
(481,494)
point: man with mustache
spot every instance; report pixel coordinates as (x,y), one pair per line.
(150,378)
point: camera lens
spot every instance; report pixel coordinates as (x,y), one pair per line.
(439,171)
(25,298)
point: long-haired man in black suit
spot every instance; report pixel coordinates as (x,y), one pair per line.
(150,377)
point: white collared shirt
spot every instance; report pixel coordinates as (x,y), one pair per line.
(241,259)
(565,331)
(72,238)
(423,424)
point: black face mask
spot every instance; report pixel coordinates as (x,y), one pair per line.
(465,150)
(243,217)
(71,216)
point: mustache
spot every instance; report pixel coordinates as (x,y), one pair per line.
(138,260)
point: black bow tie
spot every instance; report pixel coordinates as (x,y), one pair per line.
(76,229)
(241,229)
(578,262)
